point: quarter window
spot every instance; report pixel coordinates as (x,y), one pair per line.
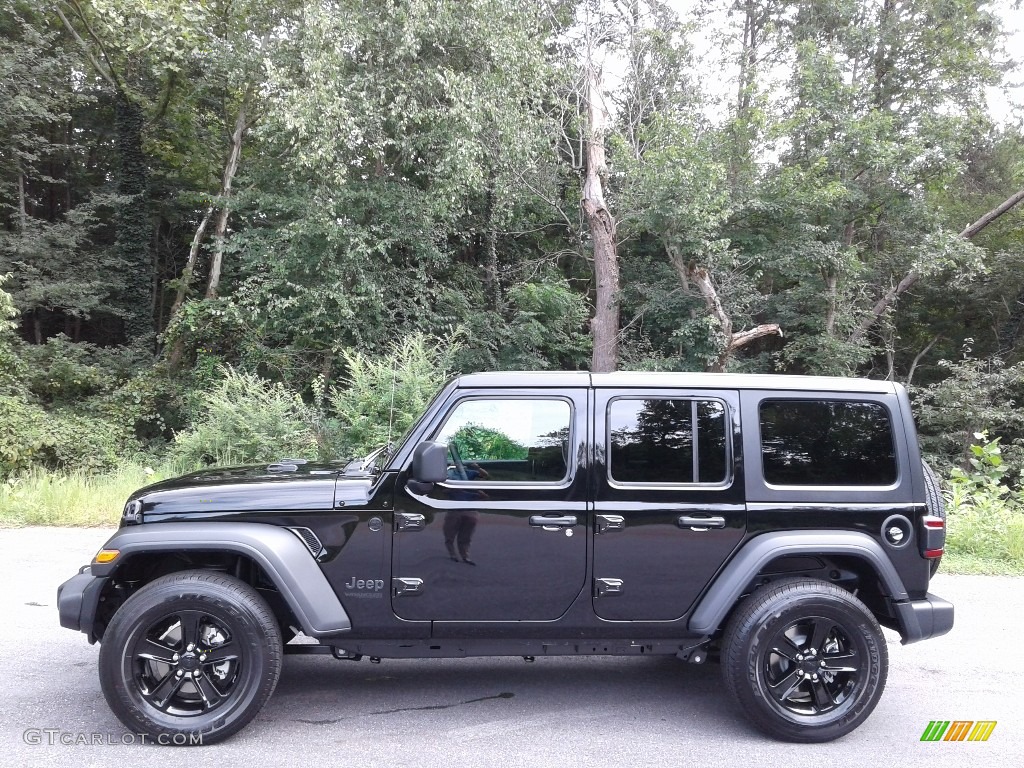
(826,442)
(508,440)
(654,441)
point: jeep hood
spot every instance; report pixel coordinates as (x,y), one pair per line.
(252,489)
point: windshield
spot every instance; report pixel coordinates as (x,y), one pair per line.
(397,444)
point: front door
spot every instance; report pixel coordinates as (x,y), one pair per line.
(504,538)
(668,508)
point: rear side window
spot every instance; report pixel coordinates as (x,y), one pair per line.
(654,441)
(827,442)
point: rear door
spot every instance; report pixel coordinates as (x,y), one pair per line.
(505,537)
(669,504)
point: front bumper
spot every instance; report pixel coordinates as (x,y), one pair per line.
(77,600)
(921,619)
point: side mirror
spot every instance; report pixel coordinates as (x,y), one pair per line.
(430,462)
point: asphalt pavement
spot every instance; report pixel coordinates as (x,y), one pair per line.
(565,712)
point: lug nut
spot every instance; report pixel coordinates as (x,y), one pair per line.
(202,657)
(179,673)
(190,646)
(175,657)
(823,662)
(814,677)
(799,673)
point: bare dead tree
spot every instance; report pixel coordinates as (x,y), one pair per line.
(693,275)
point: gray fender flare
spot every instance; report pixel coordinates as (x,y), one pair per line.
(759,551)
(278,551)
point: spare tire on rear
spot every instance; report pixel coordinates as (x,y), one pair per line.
(933,498)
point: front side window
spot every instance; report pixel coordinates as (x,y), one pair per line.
(827,442)
(508,440)
(667,441)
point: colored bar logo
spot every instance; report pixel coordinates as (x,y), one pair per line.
(958,730)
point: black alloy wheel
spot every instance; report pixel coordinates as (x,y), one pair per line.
(805,659)
(187,662)
(190,658)
(812,667)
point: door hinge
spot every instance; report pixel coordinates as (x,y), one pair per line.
(409,521)
(604,587)
(607,523)
(401,587)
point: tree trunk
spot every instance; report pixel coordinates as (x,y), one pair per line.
(178,347)
(190,264)
(490,244)
(605,325)
(917,359)
(911,278)
(225,194)
(22,209)
(132,222)
(690,273)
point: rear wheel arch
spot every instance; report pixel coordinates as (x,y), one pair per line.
(851,560)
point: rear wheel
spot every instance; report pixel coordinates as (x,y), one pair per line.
(190,658)
(805,660)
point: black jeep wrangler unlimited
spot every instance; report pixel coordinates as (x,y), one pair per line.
(772,522)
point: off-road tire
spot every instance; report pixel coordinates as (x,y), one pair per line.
(935,502)
(790,630)
(190,658)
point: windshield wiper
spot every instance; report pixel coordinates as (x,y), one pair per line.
(367,464)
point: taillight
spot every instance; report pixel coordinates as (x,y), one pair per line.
(933,537)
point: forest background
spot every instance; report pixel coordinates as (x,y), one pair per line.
(232,230)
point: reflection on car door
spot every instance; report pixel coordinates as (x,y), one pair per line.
(505,537)
(669,506)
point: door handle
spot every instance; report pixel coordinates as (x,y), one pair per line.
(542,521)
(700,523)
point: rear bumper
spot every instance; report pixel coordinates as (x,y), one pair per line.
(77,599)
(921,619)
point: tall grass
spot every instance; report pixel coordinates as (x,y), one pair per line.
(40,497)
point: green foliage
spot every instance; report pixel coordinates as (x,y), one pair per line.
(986,517)
(474,441)
(22,434)
(11,368)
(151,406)
(56,440)
(975,395)
(382,397)
(211,329)
(412,167)
(61,372)
(547,328)
(246,419)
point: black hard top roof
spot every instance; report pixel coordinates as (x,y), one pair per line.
(637,379)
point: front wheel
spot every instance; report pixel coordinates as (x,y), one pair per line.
(805,659)
(190,658)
